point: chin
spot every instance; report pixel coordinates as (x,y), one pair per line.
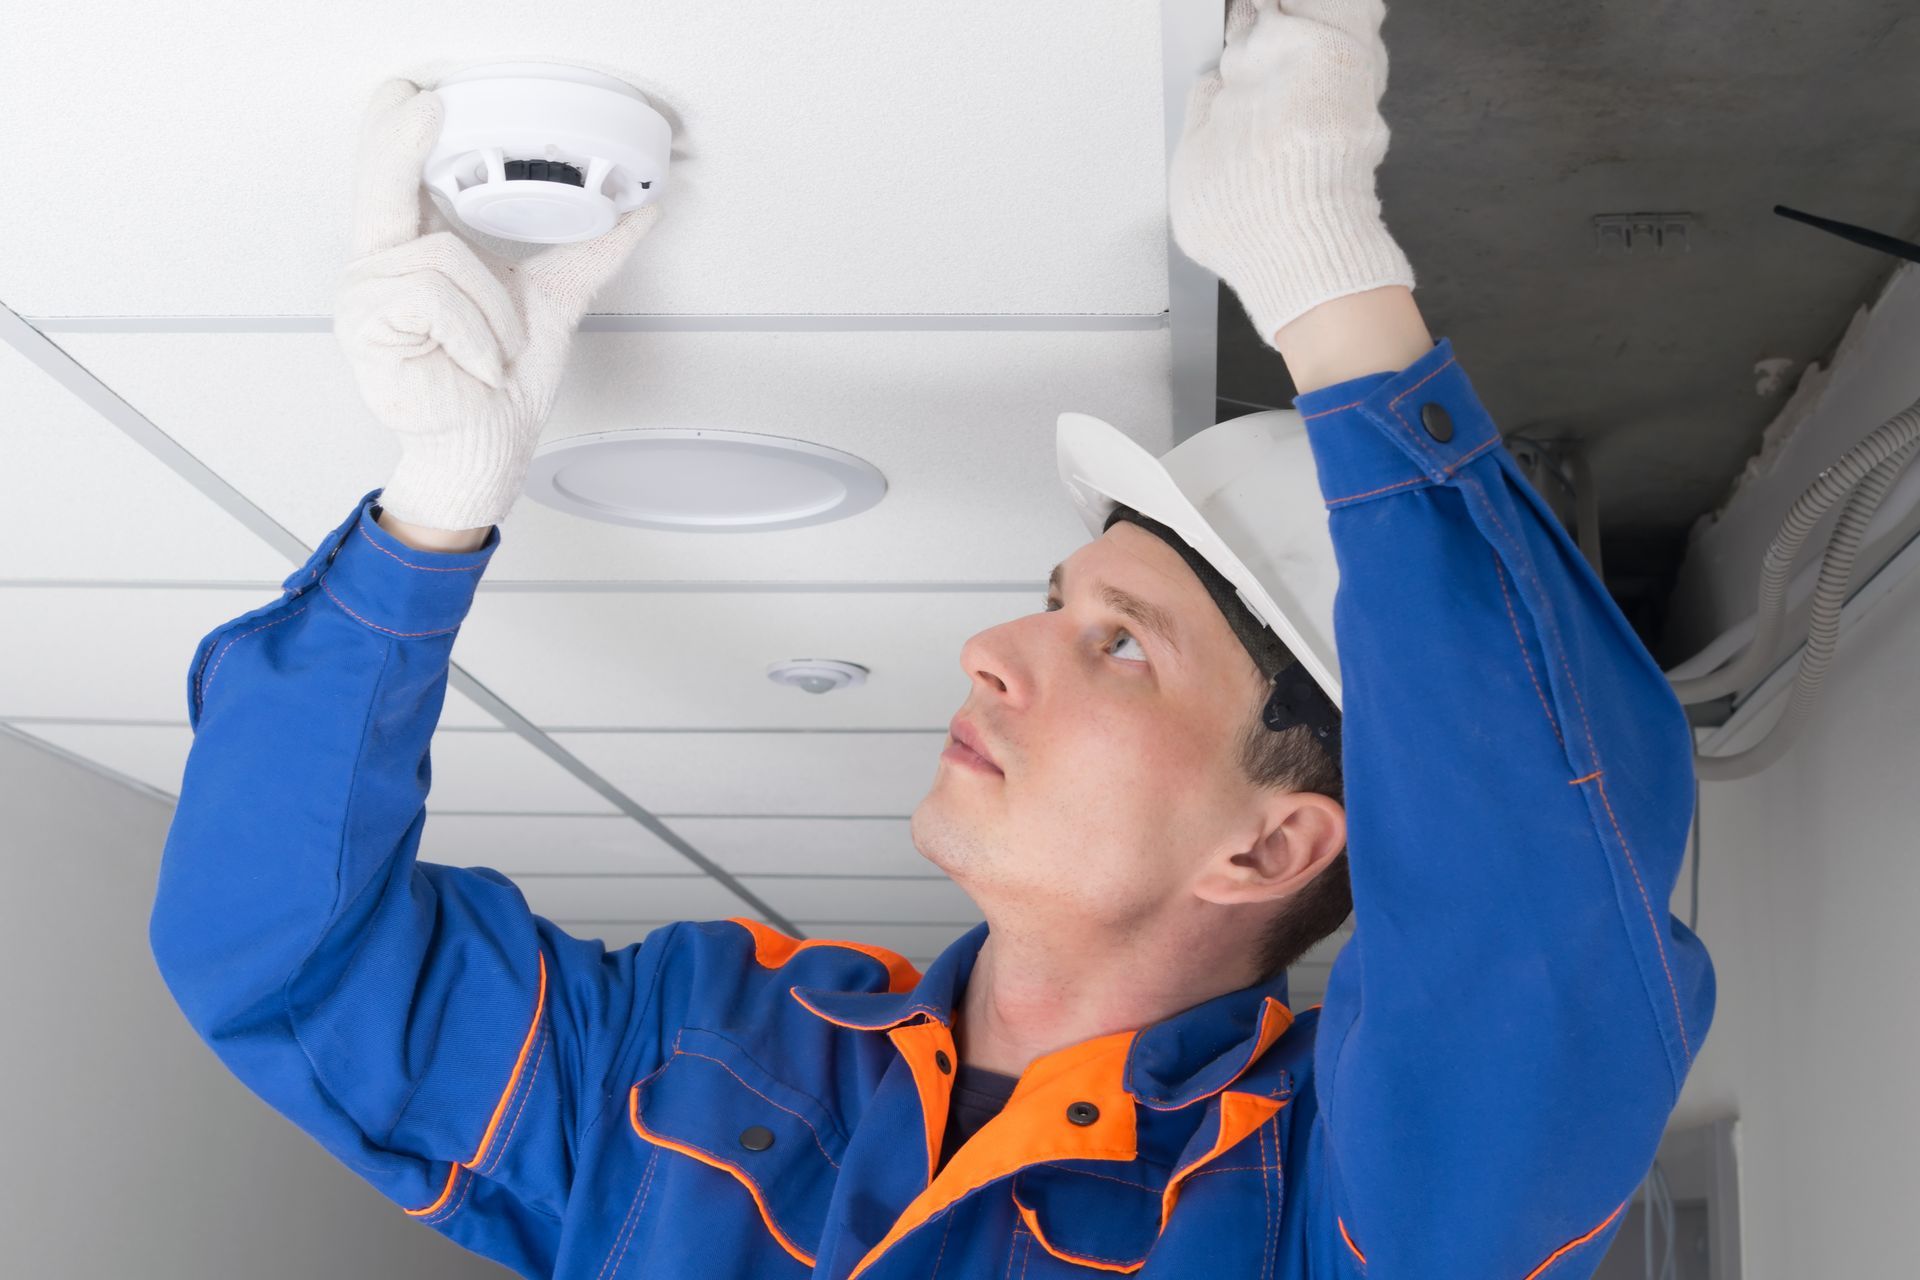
(936,839)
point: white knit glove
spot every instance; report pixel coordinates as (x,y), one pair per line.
(1272,185)
(462,358)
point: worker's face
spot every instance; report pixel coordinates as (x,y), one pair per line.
(1117,753)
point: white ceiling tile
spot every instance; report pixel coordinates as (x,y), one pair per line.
(671,660)
(811,902)
(688,897)
(849,846)
(123,653)
(503,772)
(79,499)
(733,773)
(837,156)
(470,770)
(614,843)
(961,424)
(518,844)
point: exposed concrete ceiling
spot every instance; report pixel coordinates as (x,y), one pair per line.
(1514,125)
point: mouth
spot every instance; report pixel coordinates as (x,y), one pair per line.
(967,747)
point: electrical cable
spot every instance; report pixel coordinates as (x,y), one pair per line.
(1823,630)
(1862,476)
(1833,483)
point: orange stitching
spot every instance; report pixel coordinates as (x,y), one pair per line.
(424,568)
(1572,1243)
(1354,497)
(1125,1182)
(1349,1239)
(1033,1219)
(519,1062)
(376,626)
(789,1110)
(1423,382)
(1574,782)
(1468,456)
(1324,412)
(1500,576)
(1445,473)
(1580,705)
(632,1220)
(943,1246)
(500,1151)
(439,1202)
(456,1206)
(1659,949)
(1396,400)
(1393,405)
(1266,1201)
(1392,402)
(1225,1168)
(208,682)
(738,1174)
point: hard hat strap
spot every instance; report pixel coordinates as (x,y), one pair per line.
(1297,698)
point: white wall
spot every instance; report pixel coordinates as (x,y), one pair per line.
(1809,890)
(131,1151)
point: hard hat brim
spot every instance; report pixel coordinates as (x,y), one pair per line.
(1245,495)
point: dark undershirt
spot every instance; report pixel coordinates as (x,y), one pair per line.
(978,1095)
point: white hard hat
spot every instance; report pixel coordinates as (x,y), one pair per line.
(1245,495)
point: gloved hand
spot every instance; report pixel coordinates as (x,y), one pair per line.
(462,358)
(1272,185)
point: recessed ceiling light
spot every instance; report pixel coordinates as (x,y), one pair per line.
(699,480)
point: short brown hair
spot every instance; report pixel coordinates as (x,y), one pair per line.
(1288,760)
(1292,760)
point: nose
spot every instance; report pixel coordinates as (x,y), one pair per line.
(985,655)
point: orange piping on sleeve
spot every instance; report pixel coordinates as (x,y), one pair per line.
(500,1108)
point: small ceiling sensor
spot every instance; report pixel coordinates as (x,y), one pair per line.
(545,152)
(700,480)
(817,675)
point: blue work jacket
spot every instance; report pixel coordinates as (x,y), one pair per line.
(1501,1043)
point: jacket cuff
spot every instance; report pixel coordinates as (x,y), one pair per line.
(387,585)
(1384,433)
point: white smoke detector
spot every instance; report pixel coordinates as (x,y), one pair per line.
(545,152)
(701,480)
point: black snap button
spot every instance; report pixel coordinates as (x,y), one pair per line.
(756,1137)
(1083,1113)
(1437,421)
(942,1061)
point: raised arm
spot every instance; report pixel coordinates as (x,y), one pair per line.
(1507,1031)
(418,1020)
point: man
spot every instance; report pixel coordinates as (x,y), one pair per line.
(1502,1039)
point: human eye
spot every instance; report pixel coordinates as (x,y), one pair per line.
(1053,604)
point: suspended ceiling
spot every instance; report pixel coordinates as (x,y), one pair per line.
(914,233)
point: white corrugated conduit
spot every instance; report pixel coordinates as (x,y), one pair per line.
(1862,476)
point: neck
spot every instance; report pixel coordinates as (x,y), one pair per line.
(1033,992)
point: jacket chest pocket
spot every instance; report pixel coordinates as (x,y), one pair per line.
(711,1102)
(1219,1210)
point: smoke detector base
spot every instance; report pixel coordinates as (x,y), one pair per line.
(545,152)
